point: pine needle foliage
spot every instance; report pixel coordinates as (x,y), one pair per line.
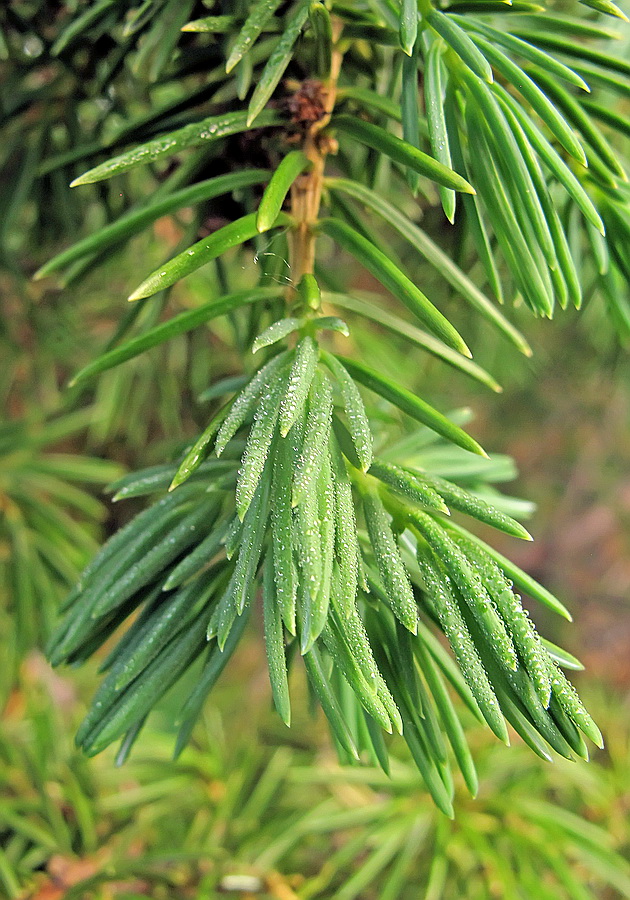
(50,521)
(288,499)
(292,823)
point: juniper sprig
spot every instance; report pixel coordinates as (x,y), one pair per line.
(290,498)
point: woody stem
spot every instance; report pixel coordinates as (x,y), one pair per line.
(306,192)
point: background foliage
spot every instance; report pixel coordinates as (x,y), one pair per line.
(271,818)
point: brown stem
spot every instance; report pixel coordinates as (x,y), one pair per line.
(306,192)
